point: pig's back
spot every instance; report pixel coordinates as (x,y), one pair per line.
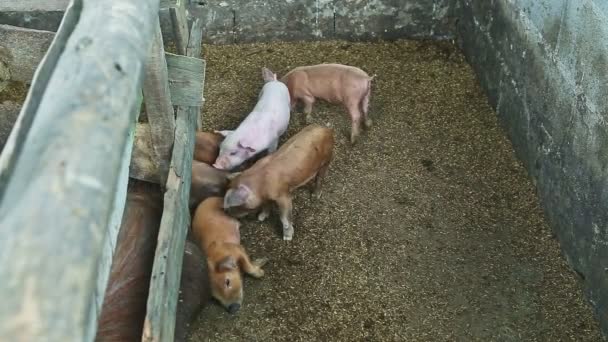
(330,82)
(211,223)
(271,112)
(273,93)
(323,70)
(302,155)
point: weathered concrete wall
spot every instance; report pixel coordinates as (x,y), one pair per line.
(240,21)
(544,64)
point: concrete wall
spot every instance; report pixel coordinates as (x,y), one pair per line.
(241,21)
(544,64)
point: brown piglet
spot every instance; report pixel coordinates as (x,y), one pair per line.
(207,146)
(304,157)
(207,181)
(218,236)
(334,83)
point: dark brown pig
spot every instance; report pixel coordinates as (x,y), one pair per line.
(194,290)
(124,306)
(304,157)
(334,83)
(207,181)
(218,236)
(207,146)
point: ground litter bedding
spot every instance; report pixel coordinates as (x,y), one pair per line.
(427,230)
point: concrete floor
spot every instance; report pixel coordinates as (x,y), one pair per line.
(427,230)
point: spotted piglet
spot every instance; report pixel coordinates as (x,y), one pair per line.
(334,83)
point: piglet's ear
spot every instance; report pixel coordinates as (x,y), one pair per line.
(268,75)
(246,146)
(223,133)
(236,197)
(226,264)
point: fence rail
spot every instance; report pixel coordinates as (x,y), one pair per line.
(64,169)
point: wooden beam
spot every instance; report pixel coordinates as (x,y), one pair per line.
(185,75)
(60,190)
(174,23)
(159,108)
(22,50)
(164,285)
(186,84)
(179,22)
(195,46)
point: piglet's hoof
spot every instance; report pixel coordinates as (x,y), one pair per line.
(263,215)
(288,236)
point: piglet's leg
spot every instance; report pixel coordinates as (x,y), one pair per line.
(264,213)
(254,269)
(285,210)
(365,109)
(316,189)
(355,115)
(308,102)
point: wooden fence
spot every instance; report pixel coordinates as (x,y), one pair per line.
(65,167)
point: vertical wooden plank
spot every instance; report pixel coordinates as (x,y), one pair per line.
(179,22)
(164,285)
(195,46)
(185,74)
(60,193)
(158,104)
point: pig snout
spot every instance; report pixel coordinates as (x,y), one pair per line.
(221,163)
(233,308)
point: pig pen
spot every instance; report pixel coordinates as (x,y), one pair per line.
(428,229)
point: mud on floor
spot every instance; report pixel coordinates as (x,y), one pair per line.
(427,230)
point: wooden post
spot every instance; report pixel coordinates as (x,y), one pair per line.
(164,285)
(195,46)
(174,23)
(186,82)
(66,155)
(179,21)
(158,105)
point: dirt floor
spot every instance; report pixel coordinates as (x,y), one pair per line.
(427,230)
